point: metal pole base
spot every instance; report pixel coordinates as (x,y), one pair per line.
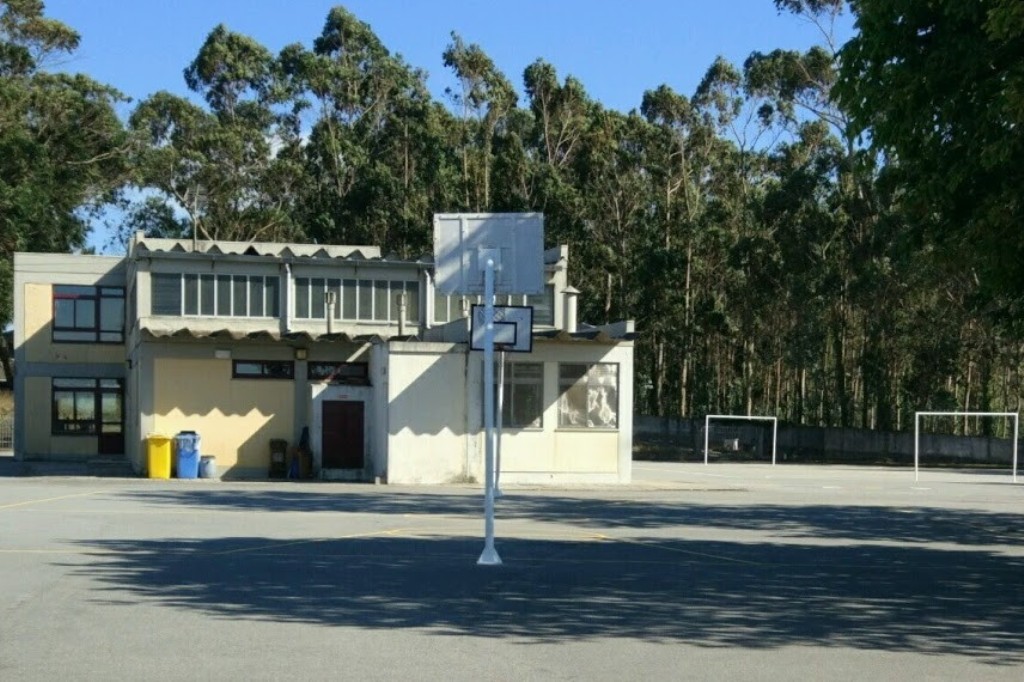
(489,557)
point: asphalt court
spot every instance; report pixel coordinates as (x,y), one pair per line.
(693,572)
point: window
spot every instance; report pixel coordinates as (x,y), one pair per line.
(215,296)
(263,369)
(355,373)
(449,308)
(588,395)
(87,407)
(363,299)
(87,314)
(523,402)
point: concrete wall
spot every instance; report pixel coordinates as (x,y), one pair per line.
(235,418)
(38,359)
(436,416)
(426,413)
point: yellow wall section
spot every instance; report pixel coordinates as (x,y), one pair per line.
(235,418)
(39,346)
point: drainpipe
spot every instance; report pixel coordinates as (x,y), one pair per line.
(401,314)
(329,305)
(286,297)
(569,318)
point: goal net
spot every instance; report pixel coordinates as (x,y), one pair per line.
(740,436)
(1012,416)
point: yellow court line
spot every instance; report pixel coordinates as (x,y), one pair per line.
(48,499)
(277,545)
(680,551)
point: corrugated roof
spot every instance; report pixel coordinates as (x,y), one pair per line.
(263,335)
(142,245)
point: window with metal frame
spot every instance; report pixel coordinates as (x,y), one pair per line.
(215,295)
(86,407)
(353,373)
(363,299)
(449,308)
(262,369)
(522,406)
(88,314)
(588,395)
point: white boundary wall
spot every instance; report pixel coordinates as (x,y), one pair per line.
(917,433)
(773,420)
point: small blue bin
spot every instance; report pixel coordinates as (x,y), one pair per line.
(186,449)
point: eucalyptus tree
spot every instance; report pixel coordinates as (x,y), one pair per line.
(678,161)
(62,147)
(371,136)
(485,98)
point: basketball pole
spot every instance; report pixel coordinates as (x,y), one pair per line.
(498,423)
(489,557)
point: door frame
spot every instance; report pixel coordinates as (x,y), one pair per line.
(320,393)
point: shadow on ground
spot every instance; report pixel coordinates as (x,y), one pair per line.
(911,524)
(705,593)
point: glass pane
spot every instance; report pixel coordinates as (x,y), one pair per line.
(301,297)
(207,300)
(64,312)
(526,371)
(316,301)
(272,289)
(73,290)
(112,292)
(572,406)
(85,405)
(543,305)
(412,302)
(111,337)
(249,369)
(525,409)
(223,295)
(85,313)
(65,403)
(602,406)
(238,291)
(111,314)
(381,305)
(191,294)
(166,293)
(110,383)
(365,300)
(111,406)
(255,297)
(395,299)
(74,383)
(570,373)
(348,299)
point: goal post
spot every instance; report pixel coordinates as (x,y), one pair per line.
(917,433)
(738,417)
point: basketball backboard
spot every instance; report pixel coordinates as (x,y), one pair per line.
(514,240)
(513,328)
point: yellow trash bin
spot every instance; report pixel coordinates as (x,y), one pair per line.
(158,456)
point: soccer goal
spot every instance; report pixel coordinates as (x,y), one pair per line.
(917,433)
(737,417)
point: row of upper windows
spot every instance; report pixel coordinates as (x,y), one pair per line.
(92,314)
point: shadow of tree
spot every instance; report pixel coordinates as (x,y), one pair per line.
(708,593)
(910,524)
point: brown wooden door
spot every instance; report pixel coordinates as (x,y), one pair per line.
(342,439)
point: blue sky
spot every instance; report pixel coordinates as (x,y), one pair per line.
(617,49)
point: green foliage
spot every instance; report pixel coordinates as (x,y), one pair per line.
(783,250)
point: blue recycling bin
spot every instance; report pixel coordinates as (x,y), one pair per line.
(186,449)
